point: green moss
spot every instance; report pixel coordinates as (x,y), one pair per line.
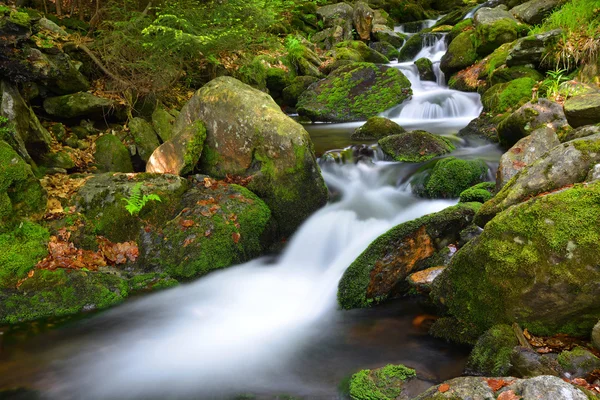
(450,177)
(503,75)
(491,354)
(377,128)
(381,384)
(461,53)
(20,18)
(508,96)
(462,26)
(495,60)
(480,193)
(194,147)
(360,52)
(415,146)
(20,250)
(151,281)
(490,36)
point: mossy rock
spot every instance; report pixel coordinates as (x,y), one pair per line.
(386,383)
(460,27)
(531,265)
(144,136)
(450,177)
(461,53)
(578,362)
(508,74)
(425,67)
(379,273)
(479,193)
(583,110)
(493,35)
(78,105)
(102,197)
(111,155)
(162,122)
(63,159)
(386,49)
(508,96)
(411,48)
(354,92)
(415,146)
(218,226)
(382,33)
(494,61)
(20,249)
(358,51)
(60,293)
(291,93)
(491,354)
(376,128)
(21,193)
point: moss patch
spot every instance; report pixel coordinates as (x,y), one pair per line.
(491,354)
(20,250)
(450,177)
(479,193)
(415,146)
(508,96)
(381,384)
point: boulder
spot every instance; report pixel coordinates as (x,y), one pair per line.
(363,20)
(562,166)
(479,193)
(376,128)
(62,159)
(425,67)
(581,132)
(493,27)
(533,12)
(530,49)
(415,146)
(594,174)
(299,84)
(461,54)
(111,155)
(579,362)
(217,224)
(162,122)
(338,17)
(144,137)
(583,110)
(547,388)
(485,126)
(354,92)
(533,264)
(329,37)
(78,105)
(449,178)
(491,354)
(508,74)
(525,152)
(527,363)
(380,272)
(421,281)
(463,388)
(247,135)
(412,47)
(357,51)
(384,383)
(385,48)
(25,134)
(56,72)
(382,33)
(508,96)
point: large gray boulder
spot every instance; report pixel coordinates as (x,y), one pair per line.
(531,49)
(534,11)
(583,109)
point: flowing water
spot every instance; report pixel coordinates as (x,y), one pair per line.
(271,325)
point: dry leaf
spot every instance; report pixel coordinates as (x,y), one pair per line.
(443,388)
(497,384)
(186,223)
(508,395)
(236,237)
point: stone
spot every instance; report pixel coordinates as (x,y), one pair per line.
(48,25)
(525,152)
(547,388)
(493,27)
(386,383)
(333,14)
(111,155)
(363,20)
(527,363)
(384,34)
(562,166)
(583,110)
(491,354)
(530,49)
(248,135)
(329,37)
(62,159)
(81,104)
(385,48)
(581,132)
(412,47)
(57,72)
(357,51)
(376,128)
(594,174)
(534,11)
(530,266)
(144,137)
(463,388)
(479,193)
(449,178)
(460,55)
(354,92)
(596,336)
(507,74)
(425,67)
(422,280)
(509,96)
(415,146)
(162,122)
(579,362)
(299,84)
(380,272)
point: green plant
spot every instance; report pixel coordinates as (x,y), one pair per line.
(553,84)
(136,201)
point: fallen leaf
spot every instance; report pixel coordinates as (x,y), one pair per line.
(508,395)
(186,223)
(443,388)
(497,384)
(236,237)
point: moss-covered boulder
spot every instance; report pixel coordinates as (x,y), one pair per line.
(56,73)
(491,354)
(20,191)
(216,225)
(461,53)
(460,27)
(479,193)
(386,49)
(376,128)
(292,92)
(578,362)
(354,92)
(415,146)
(411,48)
(382,33)
(81,104)
(449,178)
(526,363)
(357,51)
(508,74)
(531,49)
(386,383)
(493,27)
(380,272)
(144,136)
(101,201)
(248,135)
(562,166)
(425,67)
(111,155)
(533,115)
(162,122)
(21,247)
(508,96)
(583,110)
(533,264)
(485,126)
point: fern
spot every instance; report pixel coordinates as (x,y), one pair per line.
(136,201)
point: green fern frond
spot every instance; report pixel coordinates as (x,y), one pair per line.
(136,201)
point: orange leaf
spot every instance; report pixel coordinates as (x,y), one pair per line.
(497,384)
(186,223)
(236,237)
(443,388)
(508,395)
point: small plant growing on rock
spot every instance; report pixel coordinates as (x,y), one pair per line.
(136,201)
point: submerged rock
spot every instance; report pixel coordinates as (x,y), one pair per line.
(415,146)
(380,272)
(376,128)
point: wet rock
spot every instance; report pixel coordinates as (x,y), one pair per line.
(389,382)
(508,96)
(531,267)
(376,128)
(449,178)
(581,132)
(563,165)
(423,280)
(526,363)
(380,272)
(299,84)
(144,136)
(78,105)
(247,135)
(425,67)
(484,126)
(111,155)
(534,11)
(357,51)
(464,388)
(479,193)
(525,152)
(578,362)
(363,19)
(542,113)
(461,54)
(583,110)
(530,50)
(411,48)
(384,34)
(491,354)
(354,92)
(415,146)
